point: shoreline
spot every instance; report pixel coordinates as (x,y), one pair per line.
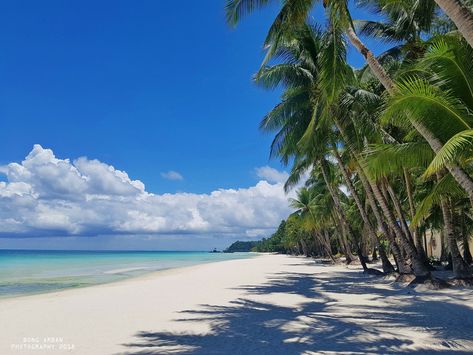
(126,277)
(265,304)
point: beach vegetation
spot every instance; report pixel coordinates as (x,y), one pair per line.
(380,155)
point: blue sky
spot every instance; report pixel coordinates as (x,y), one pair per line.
(148,87)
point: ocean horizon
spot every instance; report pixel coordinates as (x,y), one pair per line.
(24,271)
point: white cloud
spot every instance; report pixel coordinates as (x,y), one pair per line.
(172,175)
(47,196)
(271,175)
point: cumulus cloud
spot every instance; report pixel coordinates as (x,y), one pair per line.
(46,196)
(172,175)
(271,175)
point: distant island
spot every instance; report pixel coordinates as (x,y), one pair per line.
(239,246)
(274,244)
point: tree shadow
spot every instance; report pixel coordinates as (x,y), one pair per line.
(247,326)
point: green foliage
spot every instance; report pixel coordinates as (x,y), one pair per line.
(400,141)
(273,244)
(239,246)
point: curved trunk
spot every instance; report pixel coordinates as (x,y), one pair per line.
(361,257)
(461,16)
(387,266)
(343,242)
(373,63)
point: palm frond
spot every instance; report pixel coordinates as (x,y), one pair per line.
(236,9)
(446,187)
(385,159)
(418,100)
(460,146)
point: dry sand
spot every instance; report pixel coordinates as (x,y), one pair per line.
(270,304)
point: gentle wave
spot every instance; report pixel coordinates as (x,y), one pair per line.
(126,270)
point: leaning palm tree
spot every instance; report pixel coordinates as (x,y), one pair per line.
(310,78)
(295,12)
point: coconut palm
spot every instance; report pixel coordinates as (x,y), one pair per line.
(294,13)
(313,215)
(314,121)
(309,80)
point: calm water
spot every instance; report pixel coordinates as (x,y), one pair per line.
(32,271)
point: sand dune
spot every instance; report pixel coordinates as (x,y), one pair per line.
(270,304)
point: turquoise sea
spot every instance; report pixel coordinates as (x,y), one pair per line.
(36,271)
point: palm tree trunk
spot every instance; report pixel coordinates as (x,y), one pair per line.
(336,201)
(415,231)
(466,250)
(387,266)
(328,245)
(417,264)
(304,248)
(403,267)
(343,239)
(461,16)
(400,213)
(353,192)
(322,239)
(407,183)
(373,63)
(326,239)
(443,249)
(460,268)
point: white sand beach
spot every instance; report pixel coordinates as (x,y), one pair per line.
(270,304)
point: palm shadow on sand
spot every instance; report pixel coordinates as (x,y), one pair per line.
(251,327)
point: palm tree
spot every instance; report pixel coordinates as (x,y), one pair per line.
(461,15)
(294,13)
(295,117)
(315,77)
(312,216)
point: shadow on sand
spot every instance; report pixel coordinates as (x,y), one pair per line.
(256,327)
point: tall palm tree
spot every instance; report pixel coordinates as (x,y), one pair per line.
(295,12)
(301,112)
(461,15)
